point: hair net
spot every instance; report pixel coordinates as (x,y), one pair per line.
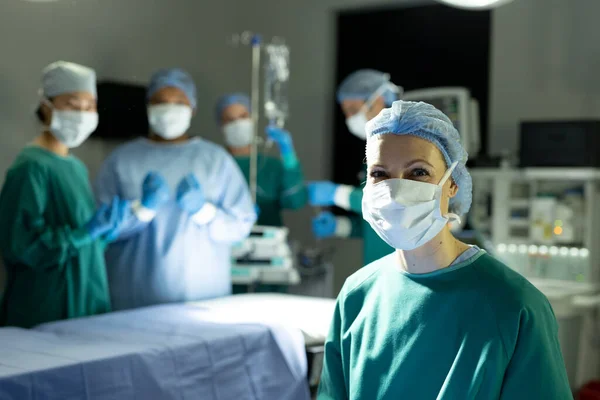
(229,99)
(65,77)
(173,77)
(363,83)
(427,122)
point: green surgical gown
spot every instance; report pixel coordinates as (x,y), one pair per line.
(474,330)
(278,188)
(54,269)
(373,246)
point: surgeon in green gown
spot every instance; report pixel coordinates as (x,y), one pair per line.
(52,236)
(437,318)
(362,95)
(280,182)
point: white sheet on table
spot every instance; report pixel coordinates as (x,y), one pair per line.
(310,315)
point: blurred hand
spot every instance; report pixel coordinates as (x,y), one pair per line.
(190,196)
(324,225)
(103,220)
(282,138)
(155,191)
(124,213)
(322,193)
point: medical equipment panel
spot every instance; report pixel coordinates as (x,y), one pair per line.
(560,144)
(459,106)
(265,257)
(543,219)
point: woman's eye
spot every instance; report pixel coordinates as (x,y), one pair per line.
(420,172)
(377,174)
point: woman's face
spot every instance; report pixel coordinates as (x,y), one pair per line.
(233,113)
(408,157)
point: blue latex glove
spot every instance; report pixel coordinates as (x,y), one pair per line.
(321,194)
(155,191)
(124,213)
(282,138)
(323,225)
(189,194)
(103,220)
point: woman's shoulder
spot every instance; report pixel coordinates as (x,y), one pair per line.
(363,279)
(505,288)
(30,160)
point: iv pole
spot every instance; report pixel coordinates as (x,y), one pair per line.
(256,47)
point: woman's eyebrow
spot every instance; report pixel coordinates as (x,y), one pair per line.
(416,161)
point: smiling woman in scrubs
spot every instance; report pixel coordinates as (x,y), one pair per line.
(436,319)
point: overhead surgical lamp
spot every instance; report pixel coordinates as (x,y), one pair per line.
(475,4)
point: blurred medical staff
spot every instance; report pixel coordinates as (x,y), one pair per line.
(191,204)
(362,95)
(52,237)
(436,319)
(280,182)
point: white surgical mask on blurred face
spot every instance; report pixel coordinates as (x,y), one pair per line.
(71,127)
(239,133)
(169,121)
(406,214)
(357,124)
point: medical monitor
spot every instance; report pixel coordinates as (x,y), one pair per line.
(121,110)
(459,106)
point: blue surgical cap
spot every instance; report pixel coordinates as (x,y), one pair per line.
(429,123)
(65,77)
(173,77)
(362,84)
(228,100)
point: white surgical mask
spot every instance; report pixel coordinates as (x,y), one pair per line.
(169,121)
(357,124)
(406,214)
(72,128)
(239,133)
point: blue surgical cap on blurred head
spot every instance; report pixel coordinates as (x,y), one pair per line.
(228,100)
(173,77)
(65,77)
(362,84)
(429,123)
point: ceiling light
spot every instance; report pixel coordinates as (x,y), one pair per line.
(475,4)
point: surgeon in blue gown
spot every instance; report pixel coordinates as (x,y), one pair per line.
(190,202)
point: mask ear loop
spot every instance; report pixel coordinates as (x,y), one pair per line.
(450,216)
(448,173)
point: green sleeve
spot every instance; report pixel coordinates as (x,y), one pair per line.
(333,383)
(26,238)
(357,226)
(293,190)
(536,369)
(356,200)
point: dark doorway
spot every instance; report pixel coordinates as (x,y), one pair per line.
(420,47)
